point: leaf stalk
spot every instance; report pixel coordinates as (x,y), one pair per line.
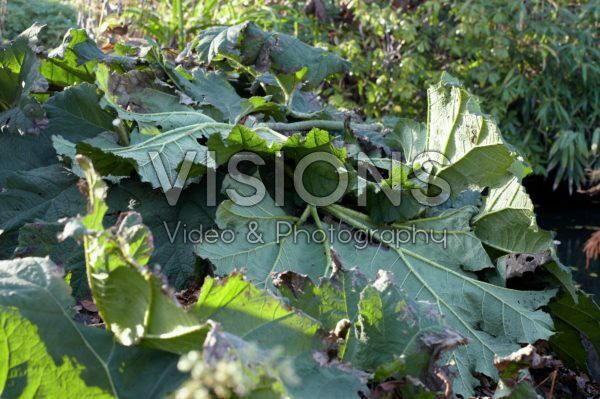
(320,124)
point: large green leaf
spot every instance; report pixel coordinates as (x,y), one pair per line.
(65,65)
(471,153)
(263,51)
(76,114)
(164,153)
(458,136)
(261,141)
(264,241)
(494,319)
(48,194)
(211,88)
(26,153)
(269,240)
(44,353)
(137,98)
(148,152)
(256,315)
(507,220)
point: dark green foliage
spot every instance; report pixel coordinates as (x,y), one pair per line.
(58,16)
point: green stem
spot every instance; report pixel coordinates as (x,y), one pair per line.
(122,132)
(302,115)
(326,243)
(243,67)
(320,124)
(353,218)
(304,216)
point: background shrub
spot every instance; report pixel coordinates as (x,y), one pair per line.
(57,16)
